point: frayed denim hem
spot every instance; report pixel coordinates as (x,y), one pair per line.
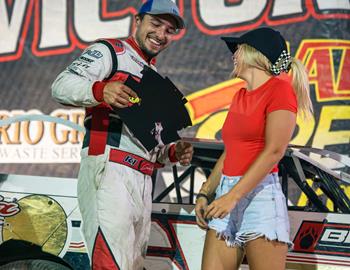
(245,237)
(241,239)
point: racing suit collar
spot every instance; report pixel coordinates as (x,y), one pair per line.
(131,41)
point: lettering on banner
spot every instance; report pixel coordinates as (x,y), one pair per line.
(90,19)
(73,28)
(39,140)
(222,17)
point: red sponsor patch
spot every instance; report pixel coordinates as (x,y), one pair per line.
(307,236)
(323,238)
(8,209)
(118,46)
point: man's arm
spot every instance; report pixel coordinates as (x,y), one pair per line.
(74,86)
(180,151)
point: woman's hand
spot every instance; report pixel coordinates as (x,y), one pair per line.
(201,206)
(221,207)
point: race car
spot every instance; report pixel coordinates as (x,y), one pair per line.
(42,213)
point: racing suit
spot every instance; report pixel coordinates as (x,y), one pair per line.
(114,182)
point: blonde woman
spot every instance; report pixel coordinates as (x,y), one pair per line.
(249,214)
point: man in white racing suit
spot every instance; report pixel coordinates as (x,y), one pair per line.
(114,183)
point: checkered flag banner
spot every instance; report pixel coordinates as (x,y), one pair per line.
(282,64)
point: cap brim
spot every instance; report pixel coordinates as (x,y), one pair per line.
(232,43)
(180,24)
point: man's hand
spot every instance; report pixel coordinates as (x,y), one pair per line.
(117,94)
(201,206)
(184,152)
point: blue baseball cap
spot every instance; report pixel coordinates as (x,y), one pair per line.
(157,7)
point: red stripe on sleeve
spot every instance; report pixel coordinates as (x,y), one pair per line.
(172,154)
(97,90)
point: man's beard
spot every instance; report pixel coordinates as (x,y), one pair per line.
(143,48)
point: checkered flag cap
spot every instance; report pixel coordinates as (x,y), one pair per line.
(267,41)
(282,64)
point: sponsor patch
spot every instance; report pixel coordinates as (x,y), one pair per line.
(119,47)
(76,70)
(80,64)
(7,209)
(85,59)
(137,61)
(130,160)
(77,67)
(323,238)
(94,53)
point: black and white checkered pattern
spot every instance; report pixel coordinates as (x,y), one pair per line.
(282,64)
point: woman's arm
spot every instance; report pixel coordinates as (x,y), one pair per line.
(279,128)
(208,188)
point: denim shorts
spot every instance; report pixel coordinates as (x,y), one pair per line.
(261,213)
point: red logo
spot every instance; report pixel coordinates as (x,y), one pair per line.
(307,236)
(323,238)
(119,47)
(146,168)
(8,209)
